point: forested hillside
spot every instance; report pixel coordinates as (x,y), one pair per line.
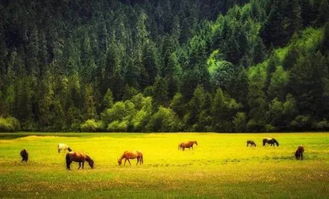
(164,65)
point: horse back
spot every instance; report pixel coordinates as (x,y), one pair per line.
(132,154)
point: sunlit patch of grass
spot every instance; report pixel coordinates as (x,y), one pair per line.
(220,166)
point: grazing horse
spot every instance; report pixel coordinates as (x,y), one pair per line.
(189,145)
(131,155)
(80,158)
(270,141)
(63,147)
(299,153)
(25,156)
(251,143)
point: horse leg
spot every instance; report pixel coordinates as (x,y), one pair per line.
(125,162)
(137,161)
(129,161)
(68,163)
(83,164)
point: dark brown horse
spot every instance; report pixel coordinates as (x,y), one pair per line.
(131,155)
(251,143)
(78,157)
(270,141)
(25,155)
(299,153)
(189,145)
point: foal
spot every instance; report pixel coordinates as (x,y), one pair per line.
(131,155)
(251,143)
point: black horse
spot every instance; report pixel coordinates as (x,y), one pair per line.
(251,143)
(25,155)
(299,153)
(270,141)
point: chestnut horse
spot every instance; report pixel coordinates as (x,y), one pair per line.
(299,153)
(270,141)
(251,143)
(131,155)
(189,145)
(78,157)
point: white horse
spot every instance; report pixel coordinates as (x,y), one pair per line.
(63,147)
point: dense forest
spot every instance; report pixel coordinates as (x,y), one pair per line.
(164,65)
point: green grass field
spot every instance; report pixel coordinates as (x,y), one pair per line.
(221,166)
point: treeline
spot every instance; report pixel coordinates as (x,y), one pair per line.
(164,65)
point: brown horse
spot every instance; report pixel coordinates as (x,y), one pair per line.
(25,155)
(78,157)
(251,143)
(270,141)
(131,155)
(299,153)
(189,145)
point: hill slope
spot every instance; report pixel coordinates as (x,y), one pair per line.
(164,65)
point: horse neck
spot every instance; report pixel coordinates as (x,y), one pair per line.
(122,157)
(88,159)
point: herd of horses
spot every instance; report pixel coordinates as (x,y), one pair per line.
(81,158)
(266,141)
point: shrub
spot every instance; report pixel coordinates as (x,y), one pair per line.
(301,123)
(322,125)
(118,126)
(9,124)
(91,125)
(164,120)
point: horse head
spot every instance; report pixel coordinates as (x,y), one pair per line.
(276,142)
(91,162)
(119,161)
(195,142)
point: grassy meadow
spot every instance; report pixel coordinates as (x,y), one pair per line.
(221,166)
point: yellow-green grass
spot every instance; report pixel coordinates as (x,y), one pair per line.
(221,166)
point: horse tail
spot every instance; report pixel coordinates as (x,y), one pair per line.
(264,142)
(68,161)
